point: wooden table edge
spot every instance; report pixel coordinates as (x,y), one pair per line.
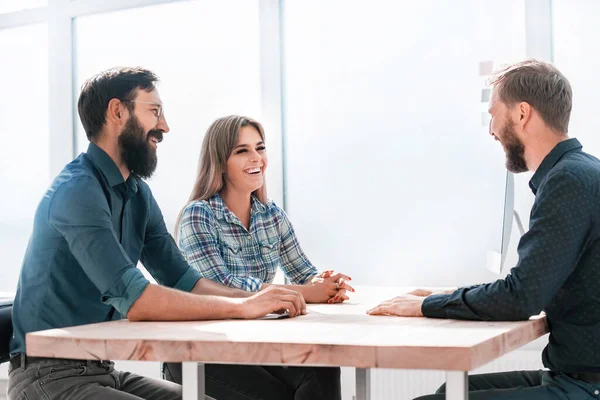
(277,353)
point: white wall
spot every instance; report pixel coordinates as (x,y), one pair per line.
(576,33)
(24,157)
(391,175)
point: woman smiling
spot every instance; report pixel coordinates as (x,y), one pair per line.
(232,234)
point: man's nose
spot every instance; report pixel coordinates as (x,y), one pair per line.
(162,124)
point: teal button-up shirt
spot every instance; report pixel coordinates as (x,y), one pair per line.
(90,230)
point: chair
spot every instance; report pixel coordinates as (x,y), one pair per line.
(6,329)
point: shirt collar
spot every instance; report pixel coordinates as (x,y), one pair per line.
(257,205)
(222,212)
(106,165)
(219,208)
(550,161)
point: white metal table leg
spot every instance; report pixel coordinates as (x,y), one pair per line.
(457,385)
(192,378)
(363,384)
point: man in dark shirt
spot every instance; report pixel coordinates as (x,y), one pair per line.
(97,219)
(559,257)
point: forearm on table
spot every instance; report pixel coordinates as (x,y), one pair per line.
(208,287)
(160,303)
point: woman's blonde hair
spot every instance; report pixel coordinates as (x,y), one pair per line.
(218,144)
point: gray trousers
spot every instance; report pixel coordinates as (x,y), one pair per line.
(79,379)
(525,385)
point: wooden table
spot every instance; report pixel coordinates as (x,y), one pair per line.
(335,335)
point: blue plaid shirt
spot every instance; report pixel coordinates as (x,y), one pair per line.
(214,241)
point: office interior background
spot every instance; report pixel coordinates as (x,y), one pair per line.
(375,114)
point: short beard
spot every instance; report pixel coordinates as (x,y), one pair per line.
(135,149)
(514,149)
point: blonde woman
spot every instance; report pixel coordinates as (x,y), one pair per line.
(234,235)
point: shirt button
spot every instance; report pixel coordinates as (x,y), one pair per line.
(596,392)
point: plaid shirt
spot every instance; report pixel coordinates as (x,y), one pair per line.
(214,241)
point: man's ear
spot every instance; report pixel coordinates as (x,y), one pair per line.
(525,113)
(114,111)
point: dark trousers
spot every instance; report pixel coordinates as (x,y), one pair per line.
(80,379)
(525,385)
(249,382)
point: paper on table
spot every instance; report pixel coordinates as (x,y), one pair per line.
(276,316)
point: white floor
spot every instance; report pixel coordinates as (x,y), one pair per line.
(2,389)
(3,380)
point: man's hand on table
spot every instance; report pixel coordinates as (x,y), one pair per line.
(408,305)
(405,305)
(273,299)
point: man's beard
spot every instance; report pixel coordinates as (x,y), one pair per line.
(136,151)
(514,149)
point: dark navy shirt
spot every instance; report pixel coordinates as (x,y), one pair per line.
(558,269)
(89,232)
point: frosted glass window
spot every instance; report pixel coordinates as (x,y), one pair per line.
(7,6)
(207,58)
(575,31)
(391,174)
(24,155)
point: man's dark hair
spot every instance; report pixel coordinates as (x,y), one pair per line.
(542,86)
(116,83)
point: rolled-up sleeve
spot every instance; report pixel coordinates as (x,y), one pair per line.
(198,241)
(130,286)
(80,213)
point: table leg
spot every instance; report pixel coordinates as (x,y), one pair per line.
(457,385)
(193,381)
(363,384)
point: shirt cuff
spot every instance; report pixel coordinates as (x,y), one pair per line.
(307,277)
(189,279)
(126,291)
(252,284)
(433,306)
